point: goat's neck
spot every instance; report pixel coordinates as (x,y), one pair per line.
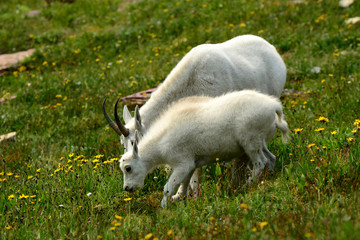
(150,156)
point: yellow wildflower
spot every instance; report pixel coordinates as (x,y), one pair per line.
(127,199)
(244,206)
(11,196)
(297,130)
(9,174)
(350,139)
(169,232)
(311,145)
(23,196)
(118,217)
(8,227)
(333,132)
(263,224)
(322,119)
(112,228)
(242,25)
(30,177)
(319,129)
(99,156)
(148,236)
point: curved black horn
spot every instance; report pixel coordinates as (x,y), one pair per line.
(111,122)
(122,128)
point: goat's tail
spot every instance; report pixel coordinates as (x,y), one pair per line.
(282,125)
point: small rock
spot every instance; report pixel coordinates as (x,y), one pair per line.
(345,3)
(9,60)
(7,136)
(315,70)
(352,20)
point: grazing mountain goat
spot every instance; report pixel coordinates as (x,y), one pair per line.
(195,131)
(244,62)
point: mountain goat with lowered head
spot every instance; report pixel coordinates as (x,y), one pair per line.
(196,130)
(244,62)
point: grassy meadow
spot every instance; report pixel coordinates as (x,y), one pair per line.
(60,178)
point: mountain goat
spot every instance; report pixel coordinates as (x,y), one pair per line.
(244,62)
(196,130)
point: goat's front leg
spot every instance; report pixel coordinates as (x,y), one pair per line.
(195,182)
(181,175)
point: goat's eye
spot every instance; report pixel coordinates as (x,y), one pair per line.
(128,169)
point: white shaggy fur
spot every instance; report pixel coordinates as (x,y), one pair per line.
(197,130)
(244,62)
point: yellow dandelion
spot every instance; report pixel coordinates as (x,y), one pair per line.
(71,155)
(297,130)
(312,160)
(322,119)
(169,232)
(77,51)
(263,224)
(244,206)
(45,63)
(38,170)
(127,199)
(10,174)
(242,25)
(254,229)
(331,75)
(30,177)
(118,217)
(319,129)
(350,139)
(112,228)
(8,227)
(354,130)
(11,197)
(148,236)
(95,161)
(23,196)
(311,145)
(99,156)
(333,132)
(99,237)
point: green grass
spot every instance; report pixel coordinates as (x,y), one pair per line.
(90,50)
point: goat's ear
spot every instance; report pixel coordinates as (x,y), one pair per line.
(135,150)
(126,115)
(137,117)
(137,135)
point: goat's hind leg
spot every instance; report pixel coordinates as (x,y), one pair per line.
(258,160)
(270,156)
